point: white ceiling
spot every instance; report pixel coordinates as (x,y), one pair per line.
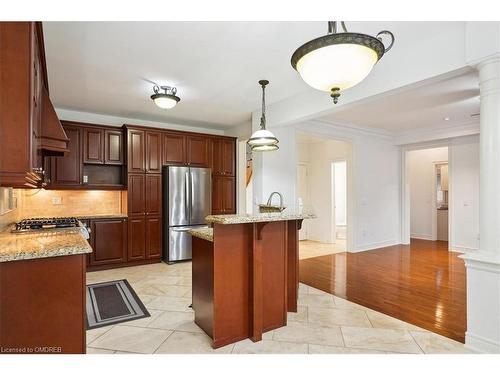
(423,107)
(105,67)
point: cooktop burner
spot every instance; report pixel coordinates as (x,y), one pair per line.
(46,223)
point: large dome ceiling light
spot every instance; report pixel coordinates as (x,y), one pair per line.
(339,60)
(166,99)
(263,139)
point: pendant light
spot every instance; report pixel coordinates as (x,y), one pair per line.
(166,99)
(339,60)
(263,139)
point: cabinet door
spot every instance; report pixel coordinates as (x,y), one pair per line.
(135,151)
(136,194)
(36,113)
(153,195)
(136,238)
(228,157)
(153,152)
(217,195)
(229,195)
(197,151)
(93,146)
(67,170)
(217,157)
(153,237)
(223,195)
(109,241)
(113,147)
(174,149)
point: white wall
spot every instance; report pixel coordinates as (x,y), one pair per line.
(422,169)
(464,194)
(320,157)
(375,201)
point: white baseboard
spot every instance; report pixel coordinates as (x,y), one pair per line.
(375,245)
(422,236)
(481,344)
(463,249)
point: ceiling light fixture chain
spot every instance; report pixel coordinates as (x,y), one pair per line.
(263,139)
(263,83)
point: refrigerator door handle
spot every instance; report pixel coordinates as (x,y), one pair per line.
(187,196)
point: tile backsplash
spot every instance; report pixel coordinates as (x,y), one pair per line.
(43,203)
(12,215)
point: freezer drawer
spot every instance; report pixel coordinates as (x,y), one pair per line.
(179,247)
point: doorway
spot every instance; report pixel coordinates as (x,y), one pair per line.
(339,200)
(323,183)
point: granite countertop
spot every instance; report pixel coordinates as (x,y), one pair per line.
(203,233)
(259,217)
(43,244)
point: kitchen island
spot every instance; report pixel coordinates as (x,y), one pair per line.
(245,274)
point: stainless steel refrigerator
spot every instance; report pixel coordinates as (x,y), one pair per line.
(187,200)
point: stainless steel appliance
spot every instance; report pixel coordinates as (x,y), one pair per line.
(46,223)
(187,200)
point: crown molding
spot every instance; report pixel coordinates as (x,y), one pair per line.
(434,134)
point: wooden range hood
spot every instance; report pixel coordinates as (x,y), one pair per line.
(54,141)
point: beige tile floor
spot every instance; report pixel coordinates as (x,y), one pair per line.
(324,324)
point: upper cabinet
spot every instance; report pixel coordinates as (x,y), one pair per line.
(174,149)
(224,156)
(66,170)
(23,80)
(93,145)
(153,152)
(113,147)
(136,162)
(198,154)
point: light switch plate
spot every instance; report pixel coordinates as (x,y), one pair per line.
(56,200)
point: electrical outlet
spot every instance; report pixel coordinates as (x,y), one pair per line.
(56,200)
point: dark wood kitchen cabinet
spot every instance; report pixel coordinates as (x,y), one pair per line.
(29,128)
(136,194)
(153,152)
(113,147)
(224,156)
(153,237)
(93,145)
(153,195)
(109,241)
(136,162)
(198,151)
(42,304)
(174,149)
(223,195)
(136,238)
(67,170)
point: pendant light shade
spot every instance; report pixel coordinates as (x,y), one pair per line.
(166,99)
(338,60)
(263,139)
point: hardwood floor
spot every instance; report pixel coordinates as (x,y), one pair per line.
(421,283)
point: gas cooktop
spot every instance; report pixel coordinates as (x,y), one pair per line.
(46,223)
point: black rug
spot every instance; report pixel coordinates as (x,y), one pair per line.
(113,302)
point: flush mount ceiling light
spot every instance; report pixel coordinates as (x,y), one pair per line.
(339,60)
(166,99)
(263,139)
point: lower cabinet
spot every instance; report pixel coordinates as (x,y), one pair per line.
(153,237)
(137,237)
(109,241)
(122,242)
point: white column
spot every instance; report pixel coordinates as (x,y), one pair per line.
(483,267)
